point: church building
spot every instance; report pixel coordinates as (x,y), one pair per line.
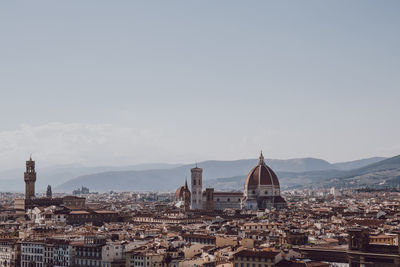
(261,191)
(183,197)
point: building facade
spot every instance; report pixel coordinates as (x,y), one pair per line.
(113,254)
(139,258)
(254,258)
(32,254)
(9,253)
(227,200)
(62,253)
(88,252)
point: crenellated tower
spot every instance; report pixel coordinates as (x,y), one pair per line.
(30,179)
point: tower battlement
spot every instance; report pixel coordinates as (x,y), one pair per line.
(30,179)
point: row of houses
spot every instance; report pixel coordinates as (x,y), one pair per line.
(72,216)
(89,251)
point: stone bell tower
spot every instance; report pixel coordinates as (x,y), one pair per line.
(196,186)
(30,179)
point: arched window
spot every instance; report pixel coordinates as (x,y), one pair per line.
(229,199)
(194,181)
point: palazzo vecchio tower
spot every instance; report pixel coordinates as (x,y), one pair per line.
(30,179)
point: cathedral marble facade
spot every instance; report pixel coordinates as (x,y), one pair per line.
(261,191)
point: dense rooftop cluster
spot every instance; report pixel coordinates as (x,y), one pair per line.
(148,229)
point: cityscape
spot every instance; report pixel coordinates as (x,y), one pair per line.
(199,133)
(197,226)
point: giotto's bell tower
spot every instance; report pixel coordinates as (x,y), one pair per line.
(196,186)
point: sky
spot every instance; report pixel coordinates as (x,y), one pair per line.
(129,82)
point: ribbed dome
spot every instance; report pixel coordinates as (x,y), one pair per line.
(179,193)
(261,175)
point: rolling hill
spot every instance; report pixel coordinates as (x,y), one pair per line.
(384,173)
(292,173)
(222,175)
(13,180)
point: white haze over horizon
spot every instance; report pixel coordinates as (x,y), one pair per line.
(108,145)
(121,83)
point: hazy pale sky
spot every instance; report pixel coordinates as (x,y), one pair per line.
(125,82)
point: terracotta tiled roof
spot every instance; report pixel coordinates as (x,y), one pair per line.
(261,175)
(257,253)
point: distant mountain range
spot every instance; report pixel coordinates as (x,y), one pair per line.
(213,175)
(222,175)
(381,173)
(13,180)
